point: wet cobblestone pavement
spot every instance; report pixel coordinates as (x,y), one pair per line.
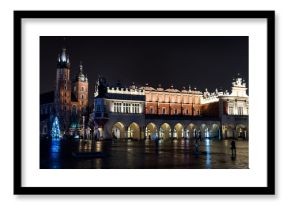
(212,154)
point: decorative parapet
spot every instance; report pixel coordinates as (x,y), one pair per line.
(209,99)
(212,97)
(126,91)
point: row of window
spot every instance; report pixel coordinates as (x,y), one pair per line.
(175,111)
(120,107)
(172,99)
(240,111)
(82,88)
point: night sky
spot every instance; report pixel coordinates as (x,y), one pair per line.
(202,62)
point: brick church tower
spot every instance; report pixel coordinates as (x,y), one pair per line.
(81,86)
(62,93)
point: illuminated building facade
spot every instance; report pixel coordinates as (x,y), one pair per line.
(149,113)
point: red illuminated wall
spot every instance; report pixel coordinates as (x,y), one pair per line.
(172,103)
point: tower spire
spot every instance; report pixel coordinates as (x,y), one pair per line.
(81,67)
(63,59)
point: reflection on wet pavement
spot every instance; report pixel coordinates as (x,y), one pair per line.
(184,154)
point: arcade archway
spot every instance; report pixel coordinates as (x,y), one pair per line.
(134,131)
(165,131)
(118,131)
(204,131)
(151,131)
(242,131)
(191,131)
(215,131)
(178,131)
(228,131)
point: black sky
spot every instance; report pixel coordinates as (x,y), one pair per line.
(202,62)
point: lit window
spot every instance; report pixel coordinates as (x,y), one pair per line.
(82,96)
(163,110)
(231,110)
(175,111)
(186,111)
(166,98)
(82,88)
(151,110)
(240,110)
(65,87)
(127,108)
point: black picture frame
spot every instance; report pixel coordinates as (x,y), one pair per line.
(269,189)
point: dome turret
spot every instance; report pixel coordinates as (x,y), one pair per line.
(81,76)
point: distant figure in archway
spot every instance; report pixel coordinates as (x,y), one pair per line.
(199,135)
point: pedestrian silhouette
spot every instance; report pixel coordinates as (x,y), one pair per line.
(199,135)
(156,144)
(233,148)
(196,147)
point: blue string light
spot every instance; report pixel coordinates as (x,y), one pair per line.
(55,131)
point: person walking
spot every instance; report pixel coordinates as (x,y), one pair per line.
(156,144)
(199,135)
(233,148)
(196,147)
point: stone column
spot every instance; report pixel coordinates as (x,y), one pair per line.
(220,133)
(126,132)
(142,132)
(107,133)
(122,107)
(96,132)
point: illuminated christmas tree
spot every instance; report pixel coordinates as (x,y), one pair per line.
(55,131)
